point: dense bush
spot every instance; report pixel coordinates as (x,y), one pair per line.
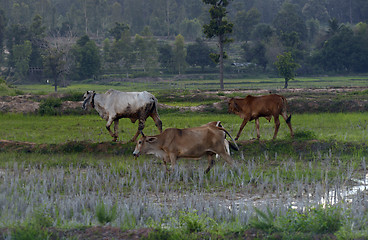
(50,106)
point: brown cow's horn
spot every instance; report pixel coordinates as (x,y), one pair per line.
(142,134)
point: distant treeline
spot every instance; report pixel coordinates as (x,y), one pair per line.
(81,39)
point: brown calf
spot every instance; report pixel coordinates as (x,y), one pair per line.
(254,107)
(173,143)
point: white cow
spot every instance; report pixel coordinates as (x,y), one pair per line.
(114,105)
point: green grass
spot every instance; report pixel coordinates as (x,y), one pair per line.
(342,127)
(194,84)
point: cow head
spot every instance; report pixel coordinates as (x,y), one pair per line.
(145,145)
(233,107)
(88,97)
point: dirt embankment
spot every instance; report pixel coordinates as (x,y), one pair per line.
(299,101)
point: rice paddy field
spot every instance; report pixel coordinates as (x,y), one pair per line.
(61,177)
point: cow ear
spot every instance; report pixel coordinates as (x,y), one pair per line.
(151,139)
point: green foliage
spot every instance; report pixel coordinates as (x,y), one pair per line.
(30,232)
(289,20)
(192,222)
(245,23)
(263,220)
(166,57)
(165,234)
(314,220)
(286,67)
(105,215)
(118,30)
(5,90)
(305,135)
(179,55)
(343,51)
(145,50)
(87,58)
(218,27)
(198,54)
(22,54)
(50,106)
(35,227)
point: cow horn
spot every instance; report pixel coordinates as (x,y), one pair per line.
(142,134)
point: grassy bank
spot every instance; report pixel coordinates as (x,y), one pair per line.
(342,127)
(197,83)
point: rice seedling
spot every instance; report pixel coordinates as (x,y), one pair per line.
(141,192)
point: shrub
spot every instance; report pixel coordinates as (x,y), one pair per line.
(313,220)
(35,227)
(50,106)
(192,222)
(263,220)
(305,135)
(105,215)
(73,96)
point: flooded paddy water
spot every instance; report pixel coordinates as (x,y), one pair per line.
(145,191)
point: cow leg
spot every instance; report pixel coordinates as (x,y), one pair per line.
(108,125)
(166,159)
(288,122)
(277,125)
(140,129)
(157,120)
(257,128)
(116,129)
(211,162)
(241,128)
(173,158)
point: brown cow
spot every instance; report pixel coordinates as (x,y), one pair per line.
(174,143)
(254,107)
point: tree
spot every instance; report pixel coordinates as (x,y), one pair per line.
(54,64)
(286,67)
(256,54)
(245,22)
(218,27)
(57,58)
(288,20)
(190,29)
(117,31)
(145,50)
(179,54)
(2,34)
(166,57)
(87,58)
(15,35)
(37,38)
(21,53)
(198,54)
(333,27)
(315,9)
(262,32)
(121,54)
(343,52)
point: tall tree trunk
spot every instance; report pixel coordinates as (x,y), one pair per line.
(221,63)
(56,83)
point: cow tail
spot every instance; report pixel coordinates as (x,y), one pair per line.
(284,109)
(233,146)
